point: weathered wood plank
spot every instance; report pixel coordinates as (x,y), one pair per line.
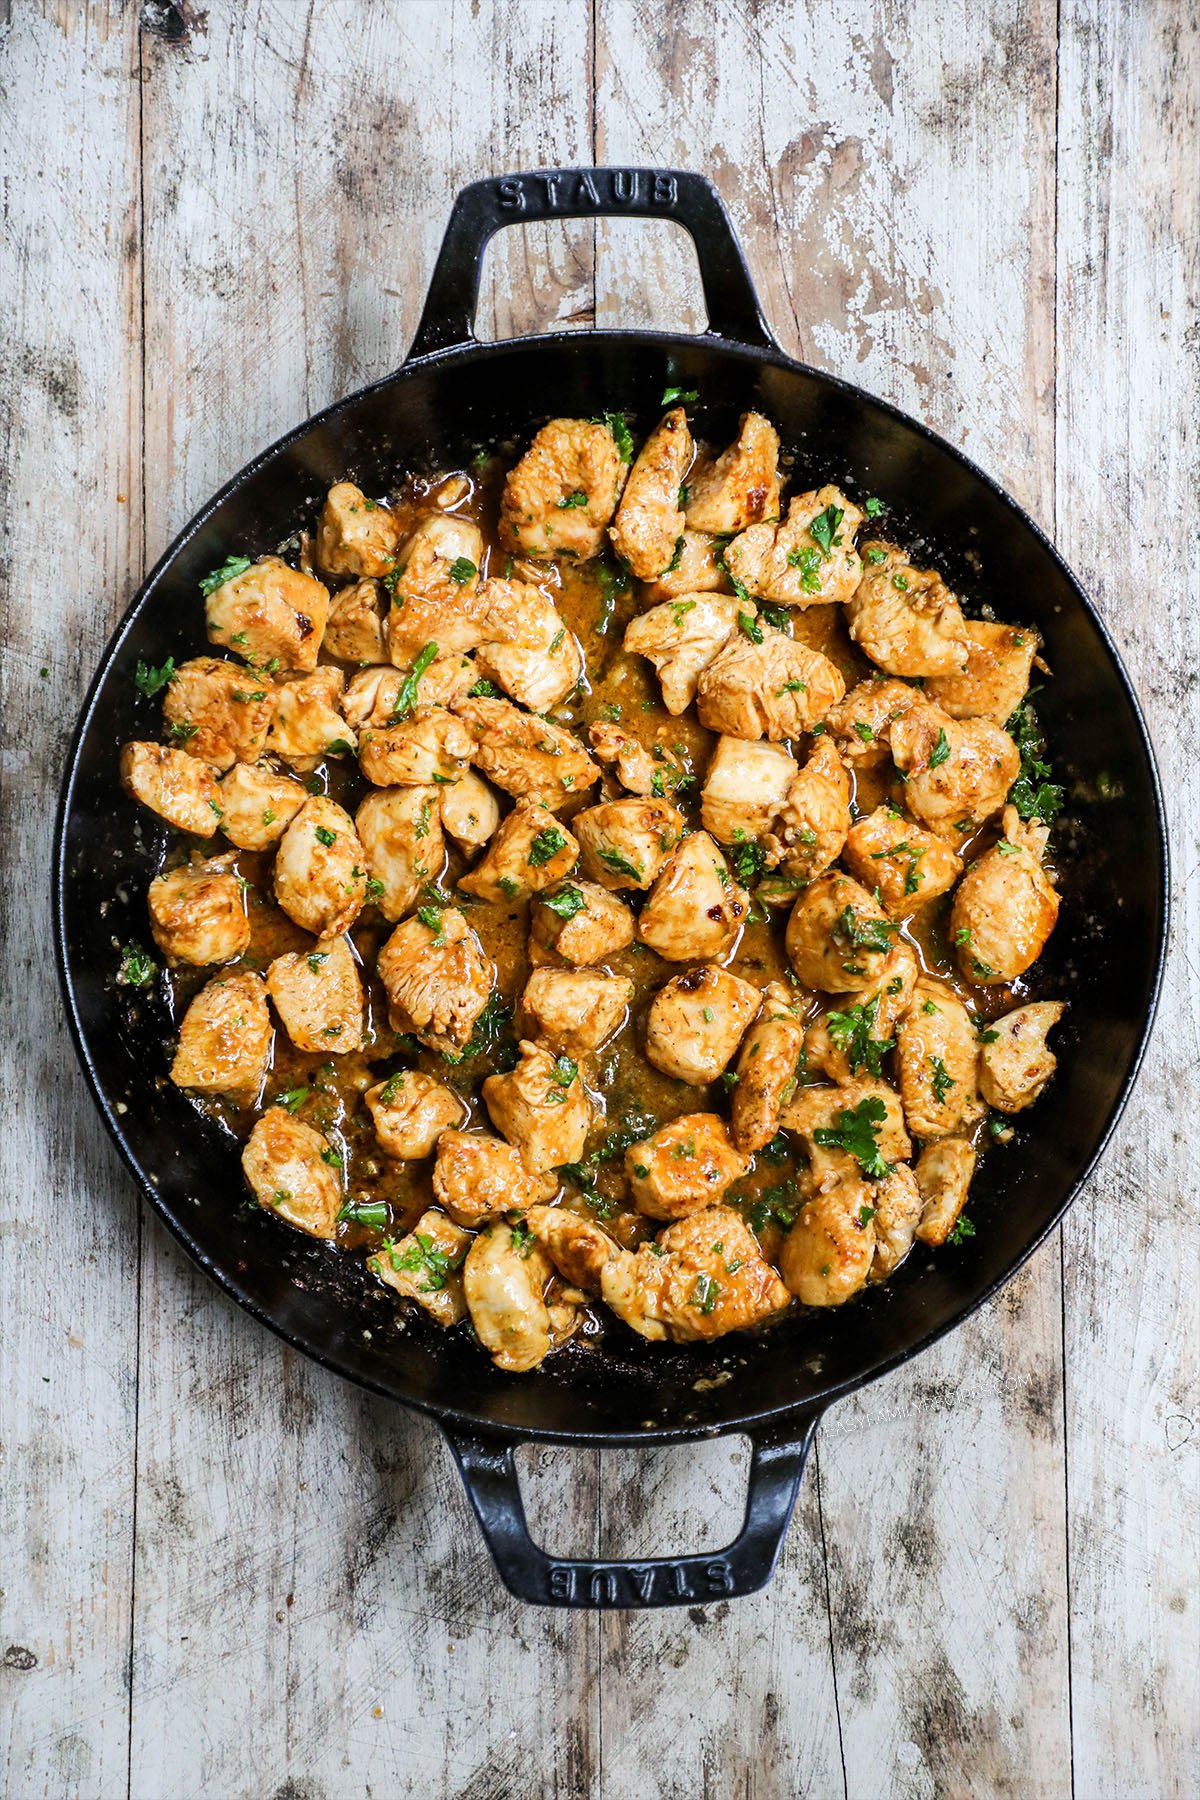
(70,516)
(1128,473)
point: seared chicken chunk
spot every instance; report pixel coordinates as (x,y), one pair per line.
(178,787)
(906,865)
(944,1172)
(436,590)
(742,486)
(576,1010)
(288,1169)
(426,1266)
(1005,906)
(649,772)
(563,492)
(356,536)
(697,1021)
(838,935)
(214,711)
(384,695)
(319,997)
(820,1109)
(861,723)
(504,1280)
(401,833)
(766,1071)
(198,913)
(470,810)
(745,788)
(827,1254)
(541,667)
(271,615)
(649,521)
(905,619)
(541,1107)
(936,1053)
(477,1177)
(431,747)
(695,568)
(625,843)
(695,908)
(704,1278)
(531,851)
(308,722)
(527,756)
(582,923)
(354,632)
(958,770)
(320,869)
(813,822)
(681,637)
(996,677)
(809,560)
(898,1204)
(847,1039)
(684,1166)
(411,1111)
(777,689)
(225,1039)
(1015,1062)
(436,977)
(258,804)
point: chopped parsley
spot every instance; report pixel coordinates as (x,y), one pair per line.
(874,507)
(332,1156)
(941,750)
(1033,794)
(808,561)
(824,527)
(620,865)
(325,836)
(778,616)
(182,730)
(856,1130)
(875,555)
(137,969)
(521,1238)
(680,610)
(865,934)
(373,1213)
(853,1031)
(705,1294)
(943,1081)
(564,1071)
(674,395)
(406,699)
(676,556)
(483,689)
(750,625)
(375,888)
(545,846)
(748,860)
(149,681)
(462,569)
(292,1099)
(431,918)
(566,901)
(621,435)
(231,567)
(423,1257)
(963,1229)
(578,498)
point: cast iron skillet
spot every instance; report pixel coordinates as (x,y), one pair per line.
(452,396)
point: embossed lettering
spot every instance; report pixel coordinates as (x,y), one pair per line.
(512,197)
(550,183)
(561,1582)
(719,1577)
(665,190)
(678,1586)
(604,1586)
(625,184)
(643,1583)
(586,190)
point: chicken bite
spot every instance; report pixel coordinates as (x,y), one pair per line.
(809,560)
(838,935)
(695,908)
(861,723)
(541,1107)
(696,1022)
(649,521)
(470,810)
(811,827)
(410,1111)
(898,1204)
(198,913)
(526,756)
(215,712)
(562,493)
(1005,906)
(289,1168)
(625,843)
(826,1257)
(1015,1062)
(478,1177)
(426,1266)
(777,688)
(958,770)
(648,772)
(176,786)
(258,804)
(582,923)
(684,1166)
(354,632)
(818,1110)
(576,1010)
(695,567)
(401,833)
(319,997)
(905,865)
(705,1277)
(681,637)
(504,1281)
(766,1071)
(437,978)
(936,1056)
(225,1039)
(742,486)
(543,665)
(944,1170)
(382,695)
(846,1040)
(429,748)
(308,722)
(272,615)
(905,619)
(320,872)
(996,678)
(356,536)
(531,851)
(744,789)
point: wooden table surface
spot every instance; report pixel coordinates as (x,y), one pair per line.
(224,1571)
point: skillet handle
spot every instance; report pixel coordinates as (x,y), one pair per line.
(489,1473)
(486,206)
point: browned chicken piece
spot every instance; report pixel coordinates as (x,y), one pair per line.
(530,852)
(649,521)
(576,1010)
(705,1277)
(681,637)
(541,1107)
(470,810)
(745,788)
(561,495)
(426,1266)
(814,819)
(318,995)
(354,632)
(437,978)
(826,1257)
(436,590)
(225,1039)
(478,1177)
(288,1168)
(647,771)
(695,908)
(844,1041)
(742,486)
(684,1166)
(582,923)
(695,568)
(996,677)
(766,1071)
(527,756)
(944,1172)
(308,722)
(401,834)
(905,865)
(271,615)
(1015,1062)
(936,1054)
(543,665)
(384,695)
(905,619)
(356,536)
(777,689)
(861,724)
(697,1021)
(430,747)
(504,1279)
(320,869)
(178,787)
(216,712)
(258,804)
(958,770)
(579,1248)
(897,1202)
(198,913)
(626,843)
(813,1109)
(808,560)
(1005,906)
(838,936)
(411,1111)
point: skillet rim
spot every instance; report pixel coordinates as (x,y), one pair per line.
(770,1420)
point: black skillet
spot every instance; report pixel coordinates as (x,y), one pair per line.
(451,397)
